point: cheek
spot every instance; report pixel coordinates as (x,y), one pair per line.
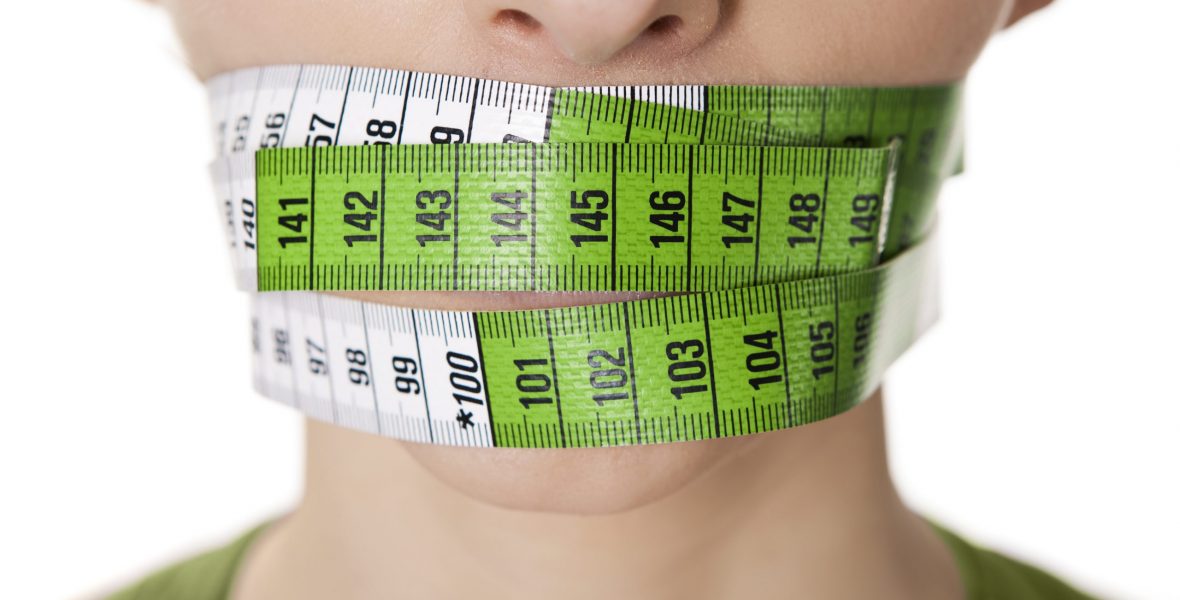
(574,481)
(220,35)
(868,42)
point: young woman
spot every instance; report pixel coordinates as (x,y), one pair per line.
(808,512)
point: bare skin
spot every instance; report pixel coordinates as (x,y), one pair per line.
(810,512)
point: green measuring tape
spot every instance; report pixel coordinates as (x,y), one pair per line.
(582,217)
(777,205)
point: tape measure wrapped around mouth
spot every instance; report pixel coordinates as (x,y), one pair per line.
(795,221)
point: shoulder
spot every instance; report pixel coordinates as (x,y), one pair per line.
(207,576)
(988,575)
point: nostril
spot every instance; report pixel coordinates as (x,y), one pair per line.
(665,25)
(517,20)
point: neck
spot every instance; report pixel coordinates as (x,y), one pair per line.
(792,513)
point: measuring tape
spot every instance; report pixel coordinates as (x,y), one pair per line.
(659,370)
(790,211)
(580,217)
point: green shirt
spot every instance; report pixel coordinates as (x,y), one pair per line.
(986,575)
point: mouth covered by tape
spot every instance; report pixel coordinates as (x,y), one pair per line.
(795,220)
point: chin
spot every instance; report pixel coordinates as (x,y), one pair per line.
(575,481)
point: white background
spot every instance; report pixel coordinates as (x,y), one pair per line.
(1041,416)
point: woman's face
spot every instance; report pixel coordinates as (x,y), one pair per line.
(595,42)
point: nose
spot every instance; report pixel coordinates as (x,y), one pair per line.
(592,32)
